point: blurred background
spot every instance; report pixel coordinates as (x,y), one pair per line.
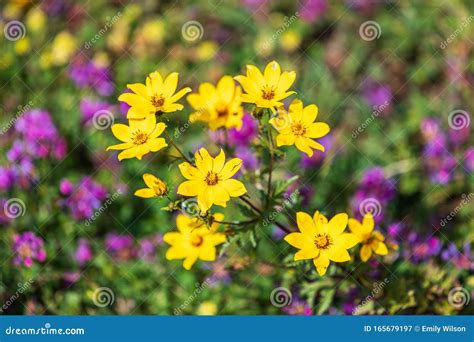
(392,78)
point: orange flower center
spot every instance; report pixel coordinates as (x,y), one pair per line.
(268,93)
(221,110)
(197,240)
(298,128)
(139,137)
(211,178)
(322,241)
(25,251)
(157,101)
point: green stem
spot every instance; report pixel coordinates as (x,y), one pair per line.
(177,148)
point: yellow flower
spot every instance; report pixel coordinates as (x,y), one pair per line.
(139,138)
(266,90)
(218,106)
(157,96)
(297,127)
(155,187)
(322,240)
(211,179)
(194,240)
(372,241)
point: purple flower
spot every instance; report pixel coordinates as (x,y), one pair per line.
(430,128)
(247,133)
(88,74)
(311,10)
(27,248)
(4,219)
(298,307)
(438,162)
(461,260)
(120,247)
(378,96)
(420,249)
(39,135)
(89,108)
(83,252)
(469,159)
(7,178)
(249,159)
(374,193)
(66,187)
(147,250)
(86,197)
(220,273)
(459,136)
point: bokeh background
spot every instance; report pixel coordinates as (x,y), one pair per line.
(392,78)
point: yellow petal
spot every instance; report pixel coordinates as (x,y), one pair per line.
(174,253)
(133,99)
(300,240)
(217,238)
(191,188)
(365,253)
(356,227)
(305,223)
(122,132)
(189,261)
(256,76)
(218,194)
(321,263)
(337,224)
(230,168)
(233,187)
(146,125)
(338,254)
(172,238)
(272,74)
(305,254)
(141,112)
(145,193)
(159,128)
(317,130)
(296,110)
(249,86)
(139,89)
(178,96)
(219,162)
(286,81)
(190,172)
(381,249)
(170,84)
(301,145)
(347,240)
(122,146)
(150,180)
(133,152)
(285,139)
(156,144)
(309,114)
(226,87)
(368,223)
(203,160)
(204,202)
(154,81)
(207,253)
(314,145)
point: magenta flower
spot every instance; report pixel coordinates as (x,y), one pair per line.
(27,248)
(86,197)
(83,252)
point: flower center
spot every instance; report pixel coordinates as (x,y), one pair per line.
(211,178)
(157,101)
(159,188)
(25,251)
(298,129)
(197,240)
(268,93)
(323,241)
(139,137)
(221,110)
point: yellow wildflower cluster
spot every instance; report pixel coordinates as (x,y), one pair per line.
(210,180)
